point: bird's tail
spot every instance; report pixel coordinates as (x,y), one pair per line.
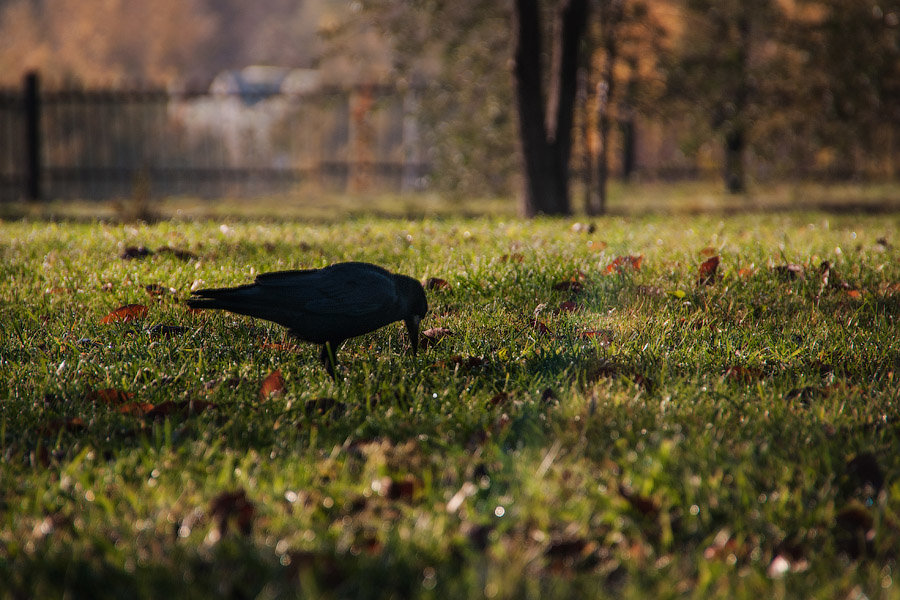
(217,298)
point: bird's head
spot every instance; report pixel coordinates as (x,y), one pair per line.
(416,305)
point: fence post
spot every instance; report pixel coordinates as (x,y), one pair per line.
(32,110)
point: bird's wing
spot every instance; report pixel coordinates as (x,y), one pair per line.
(347,289)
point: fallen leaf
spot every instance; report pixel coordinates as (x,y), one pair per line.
(126,314)
(603,336)
(889,289)
(468,362)
(162,330)
(280,347)
(436,283)
(156,289)
(569,286)
(135,252)
(567,307)
(109,396)
(643,504)
(854,294)
(708,251)
(232,506)
(622,263)
(567,548)
(540,326)
(397,489)
(708,270)
(745,374)
(135,409)
(178,253)
(745,272)
(272,384)
(499,398)
(649,290)
(434,335)
(789,271)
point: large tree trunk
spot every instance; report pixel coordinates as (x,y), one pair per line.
(546,135)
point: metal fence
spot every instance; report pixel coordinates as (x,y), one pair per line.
(100,143)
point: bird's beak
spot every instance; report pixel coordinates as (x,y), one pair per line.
(412,327)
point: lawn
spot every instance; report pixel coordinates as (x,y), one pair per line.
(599,411)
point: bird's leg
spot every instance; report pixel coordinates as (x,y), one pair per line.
(328,356)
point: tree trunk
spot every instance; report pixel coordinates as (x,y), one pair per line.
(546,135)
(735,132)
(611,15)
(734,160)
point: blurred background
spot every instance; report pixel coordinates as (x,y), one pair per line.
(212,99)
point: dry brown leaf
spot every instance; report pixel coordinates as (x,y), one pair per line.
(126,314)
(708,270)
(233,506)
(622,263)
(540,326)
(272,384)
(436,283)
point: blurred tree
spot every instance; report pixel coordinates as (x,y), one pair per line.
(459,54)
(545,125)
(103,41)
(727,49)
(851,52)
(627,41)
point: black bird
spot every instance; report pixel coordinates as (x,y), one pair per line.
(326,306)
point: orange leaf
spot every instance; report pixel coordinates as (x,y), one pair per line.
(854,293)
(273,384)
(124,314)
(280,347)
(708,271)
(745,272)
(624,262)
(137,409)
(110,396)
(604,336)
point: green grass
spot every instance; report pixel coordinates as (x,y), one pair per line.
(704,432)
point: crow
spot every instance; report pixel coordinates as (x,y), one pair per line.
(326,306)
